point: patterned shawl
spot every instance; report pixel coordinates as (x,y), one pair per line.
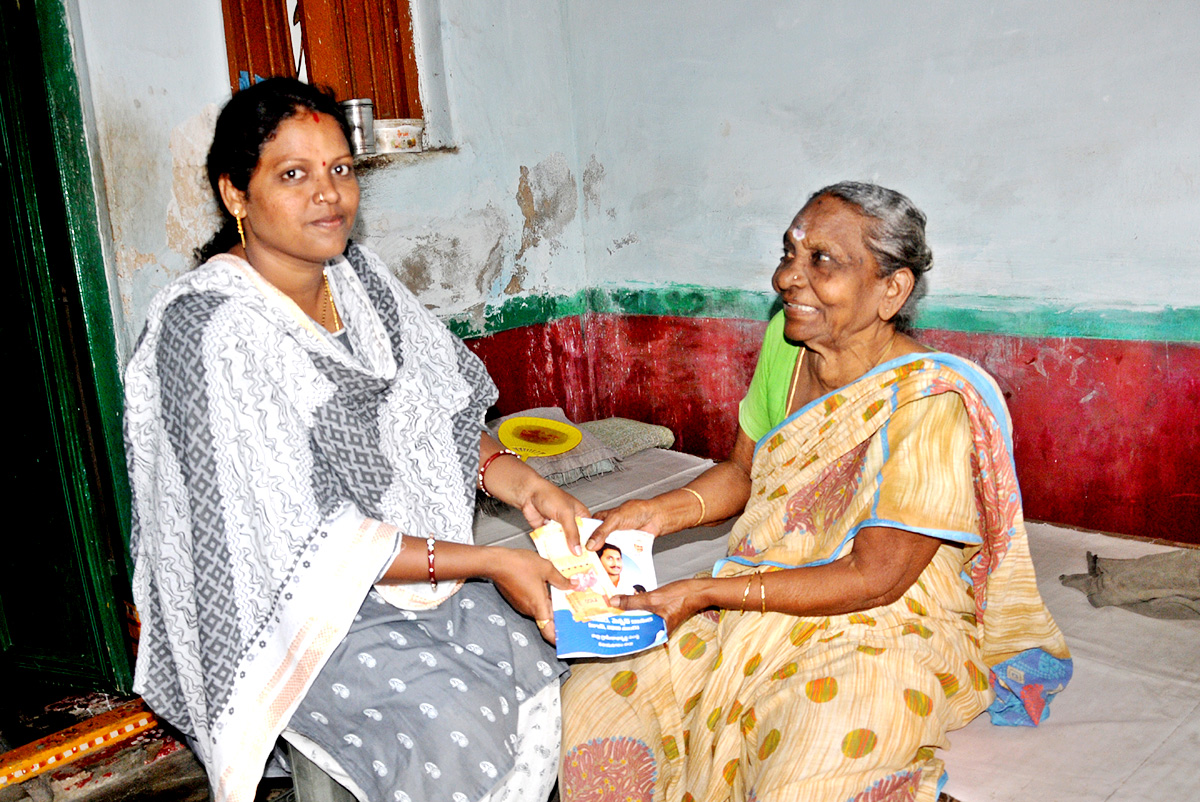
(265,459)
(802,478)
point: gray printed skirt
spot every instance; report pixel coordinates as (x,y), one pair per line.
(423,705)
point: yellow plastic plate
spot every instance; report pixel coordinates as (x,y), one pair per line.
(538,437)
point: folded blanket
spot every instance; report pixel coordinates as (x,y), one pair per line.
(628,437)
(1165,585)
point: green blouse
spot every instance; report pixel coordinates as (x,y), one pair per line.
(765,404)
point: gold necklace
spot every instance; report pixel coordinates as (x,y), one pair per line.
(891,342)
(787,410)
(337,321)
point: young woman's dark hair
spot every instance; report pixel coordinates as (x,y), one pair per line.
(248,122)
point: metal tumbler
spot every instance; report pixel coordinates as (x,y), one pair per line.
(361,114)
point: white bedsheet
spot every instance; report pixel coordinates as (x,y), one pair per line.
(1126,729)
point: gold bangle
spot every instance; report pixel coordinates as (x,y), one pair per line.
(703,509)
(762,596)
(745,593)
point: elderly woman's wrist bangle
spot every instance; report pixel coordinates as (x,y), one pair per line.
(429,541)
(700,498)
(762,595)
(487,464)
(745,593)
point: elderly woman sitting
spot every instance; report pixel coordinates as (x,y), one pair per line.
(878,590)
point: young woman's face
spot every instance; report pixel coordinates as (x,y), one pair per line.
(303,196)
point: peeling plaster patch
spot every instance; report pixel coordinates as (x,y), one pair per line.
(130,263)
(516,281)
(593,175)
(618,244)
(548,198)
(133,149)
(451,265)
(133,159)
(476,316)
(192,214)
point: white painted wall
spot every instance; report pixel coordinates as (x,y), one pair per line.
(451,223)
(618,142)
(150,86)
(1054,145)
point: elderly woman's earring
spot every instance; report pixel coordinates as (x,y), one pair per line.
(241,231)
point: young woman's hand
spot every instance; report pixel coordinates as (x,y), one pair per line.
(546,502)
(513,482)
(522,577)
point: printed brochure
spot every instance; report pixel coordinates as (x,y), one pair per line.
(585,624)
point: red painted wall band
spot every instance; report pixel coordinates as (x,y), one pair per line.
(1106,432)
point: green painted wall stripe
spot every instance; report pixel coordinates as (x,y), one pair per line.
(517,312)
(976,314)
(684,300)
(1028,319)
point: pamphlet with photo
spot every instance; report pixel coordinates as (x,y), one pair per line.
(585,624)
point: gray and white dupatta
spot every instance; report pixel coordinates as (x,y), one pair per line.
(272,470)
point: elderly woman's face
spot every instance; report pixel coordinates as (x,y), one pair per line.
(828,279)
(303,195)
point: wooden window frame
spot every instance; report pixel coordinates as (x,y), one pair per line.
(357,49)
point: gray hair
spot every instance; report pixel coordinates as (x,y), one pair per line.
(896,236)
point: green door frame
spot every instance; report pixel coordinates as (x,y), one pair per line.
(83,220)
(91,447)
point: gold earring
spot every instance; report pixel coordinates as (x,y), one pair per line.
(241,232)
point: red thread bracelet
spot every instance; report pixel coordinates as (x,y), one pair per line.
(487,463)
(429,541)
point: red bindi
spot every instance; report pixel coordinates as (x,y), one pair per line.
(316,117)
(322,164)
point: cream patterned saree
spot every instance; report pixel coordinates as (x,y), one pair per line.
(842,707)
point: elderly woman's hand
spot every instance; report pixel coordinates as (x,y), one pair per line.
(717,494)
(633,514)
(675,602)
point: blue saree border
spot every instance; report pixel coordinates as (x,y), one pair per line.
(941,534)
(979,381)
(978,378)
(1033,672)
